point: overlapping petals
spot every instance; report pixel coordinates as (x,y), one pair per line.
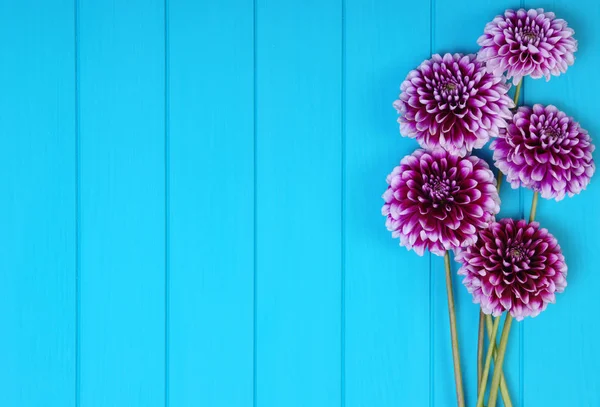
(453,103)
(527,42)
(438,201)
(514,266)
(545,150)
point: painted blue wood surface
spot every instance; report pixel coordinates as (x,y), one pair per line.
(38,216)
(121,77)
(298,203)
(191,209)
(386,308)
(211,203)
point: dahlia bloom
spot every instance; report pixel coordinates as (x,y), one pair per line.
(514,266)
(439,201)
(452,102)
(545,150)
(527,42)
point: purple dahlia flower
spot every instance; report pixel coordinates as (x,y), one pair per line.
(452,102)
(545,150)
(439,201)
(514,266)
(525,43)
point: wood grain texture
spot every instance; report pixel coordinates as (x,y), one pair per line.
(387,331)
(122,186)
(298,198)
(191,198)
(211,203)
(37,204)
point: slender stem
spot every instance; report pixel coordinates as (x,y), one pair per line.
(517,92)
(480,339)
(488,363)
(499,181)
(460,396)
(503,387)
(500,361)
(534,203)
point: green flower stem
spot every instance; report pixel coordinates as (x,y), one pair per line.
(480,337)
(500,361)
(460,396)
(499,181)
(503,387)
(488,363)
(534,203)
(517,92)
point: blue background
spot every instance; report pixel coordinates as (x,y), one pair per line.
(190,208)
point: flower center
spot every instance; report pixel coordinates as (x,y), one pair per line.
(550,136)
(450,93)
(449,86)
(529,36)
(517,252)
(438,189)
(551,133)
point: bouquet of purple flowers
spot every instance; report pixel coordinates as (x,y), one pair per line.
(441,198)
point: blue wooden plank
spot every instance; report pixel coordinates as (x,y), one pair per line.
(37,208)
(122,186)
(211,208)
(565,333)
(387,288)
(298,169)
(472,18)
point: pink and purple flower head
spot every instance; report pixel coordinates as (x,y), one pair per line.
(453,103)
(514,266)
(438,201)
(527,42)
(545,150)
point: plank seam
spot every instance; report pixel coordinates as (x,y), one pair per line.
(255,203)
(167,203)
(77,211)
(431,335)
(343,212)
